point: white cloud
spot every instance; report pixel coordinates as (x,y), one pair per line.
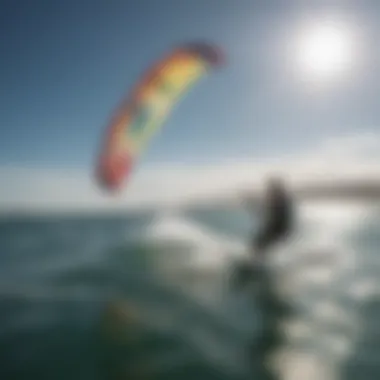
(353,156)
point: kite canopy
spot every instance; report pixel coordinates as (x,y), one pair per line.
(148,106)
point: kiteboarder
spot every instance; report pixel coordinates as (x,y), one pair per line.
(278,218)
(276,225)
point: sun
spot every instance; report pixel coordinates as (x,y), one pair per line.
(324,52)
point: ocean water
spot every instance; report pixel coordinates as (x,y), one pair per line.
(151,296)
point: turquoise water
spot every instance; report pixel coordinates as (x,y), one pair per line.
(150,297)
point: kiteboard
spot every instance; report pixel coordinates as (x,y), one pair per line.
(248,271)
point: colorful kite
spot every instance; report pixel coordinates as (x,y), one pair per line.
(147,107)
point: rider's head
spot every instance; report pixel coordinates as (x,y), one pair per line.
(275,186)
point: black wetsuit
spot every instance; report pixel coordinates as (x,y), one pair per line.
(278,223)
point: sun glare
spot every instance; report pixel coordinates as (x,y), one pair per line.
(324,52)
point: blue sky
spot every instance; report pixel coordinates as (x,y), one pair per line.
(66,64)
